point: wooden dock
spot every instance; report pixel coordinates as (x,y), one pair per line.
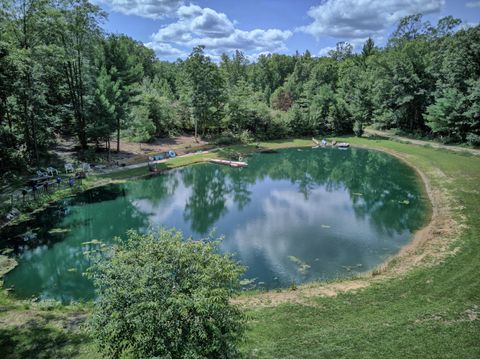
(229,163)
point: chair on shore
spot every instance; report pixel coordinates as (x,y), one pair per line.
(69,167)
(52,171)
(85,167)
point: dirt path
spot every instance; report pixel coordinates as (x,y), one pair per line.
(373,132)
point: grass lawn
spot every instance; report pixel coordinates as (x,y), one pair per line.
(433,311)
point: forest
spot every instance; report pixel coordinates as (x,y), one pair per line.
(63,76)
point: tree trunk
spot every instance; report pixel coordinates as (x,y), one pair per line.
(82,134)
(196,130)
(118,135)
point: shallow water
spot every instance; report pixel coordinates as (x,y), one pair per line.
(294,216)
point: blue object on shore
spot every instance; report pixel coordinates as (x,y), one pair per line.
(161,156)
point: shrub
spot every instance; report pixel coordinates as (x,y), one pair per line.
(281,125)
(358,128)
(163,296)
(473,140)
(245,137)
(226,138)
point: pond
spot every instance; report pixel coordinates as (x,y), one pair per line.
(293,216)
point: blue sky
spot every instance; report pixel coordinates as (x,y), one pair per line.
(173,27)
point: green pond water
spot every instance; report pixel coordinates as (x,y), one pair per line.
(297,215)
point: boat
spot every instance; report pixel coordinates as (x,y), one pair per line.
(343,145)
(229,163)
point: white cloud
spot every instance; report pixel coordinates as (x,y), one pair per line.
(352,19)
(473,4)
(324,51)
(152,9)
(204,26)
(163,49)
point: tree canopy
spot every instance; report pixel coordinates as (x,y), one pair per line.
(61,75)
(163,296)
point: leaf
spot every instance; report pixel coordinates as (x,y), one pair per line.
(59,230)
(93,241)
(302,267)
(247,281)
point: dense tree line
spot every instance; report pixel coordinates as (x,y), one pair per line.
(61,75)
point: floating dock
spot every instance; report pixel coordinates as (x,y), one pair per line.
(229,163)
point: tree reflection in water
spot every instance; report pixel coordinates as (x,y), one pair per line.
(295,215)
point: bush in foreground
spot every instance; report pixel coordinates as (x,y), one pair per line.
(163,296)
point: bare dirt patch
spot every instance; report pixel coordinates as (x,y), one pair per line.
(133,152)
(162,144)
(302,294)
(66,149)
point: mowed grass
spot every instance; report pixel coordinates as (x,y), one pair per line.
(429,313)
(169,164)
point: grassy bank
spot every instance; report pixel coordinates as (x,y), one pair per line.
(432,311)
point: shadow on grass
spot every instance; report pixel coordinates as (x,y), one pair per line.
(32,340)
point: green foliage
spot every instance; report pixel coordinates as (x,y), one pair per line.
(321,103)
(343,50)
(163,296)
(154,114)
(245,111)
(103,111)
(204,90)
(125,60)
(226,138)
(234,70)
(142,128)
(358,128)
(445,116)
(473,139)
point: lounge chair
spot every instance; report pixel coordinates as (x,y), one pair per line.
(52,171)
(69,167)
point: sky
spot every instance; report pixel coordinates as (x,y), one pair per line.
(173,27)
